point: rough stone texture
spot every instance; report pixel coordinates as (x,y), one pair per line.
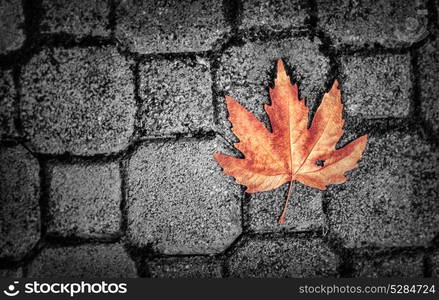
(7,104)
(391,198)
(78,101)
(11,273)
(80,18)
(284,257)
(389,23)
(435,262)
(84,200)
(247,72)
(274,15)
(185,205)
(19,196)
(170,26)
(397,265)
(11,25)
(176,97)
(428,60)
(376,86)
(122,102)
(87,261)
(303,214)
(185,267)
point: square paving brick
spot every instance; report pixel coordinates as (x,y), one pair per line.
(247,72)
(176,97)
(7,104)
(391,198)
(84,200)
(11,25)
(170,26)
(179,201)
(428,66)
(19,202)
(283,257)
(79,17)
(389,23)
(79,101)
(304,211)
(396,265)
(185,267)
(376,86)
(274,15)
(86,261)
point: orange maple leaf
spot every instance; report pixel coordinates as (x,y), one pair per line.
(291,151)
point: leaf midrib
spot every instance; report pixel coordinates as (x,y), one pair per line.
(312,149)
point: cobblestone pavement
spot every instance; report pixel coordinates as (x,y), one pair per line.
(110,112)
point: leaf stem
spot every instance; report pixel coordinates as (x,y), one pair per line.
(284,211)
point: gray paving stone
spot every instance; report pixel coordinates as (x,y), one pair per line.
(11,273)
(435,262)
(176,97)
(376,86)
(78,101)
(246,73)
(19,198)
(7,104)
(185,204)
(428,66)
(396,265)
(391,199)
(284,257)
(170,26)
(89,261)
(389,23)
(84,200)
(274,15)
(11,25)
(304,211)
(185,267)
(80,17)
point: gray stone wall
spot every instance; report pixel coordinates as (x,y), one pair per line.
(110,112)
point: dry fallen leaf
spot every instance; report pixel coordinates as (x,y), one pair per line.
(291,151)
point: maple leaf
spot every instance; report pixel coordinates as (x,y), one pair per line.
(291,151)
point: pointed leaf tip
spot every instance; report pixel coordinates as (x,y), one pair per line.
(281,74)
(229,101)
(280,65)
